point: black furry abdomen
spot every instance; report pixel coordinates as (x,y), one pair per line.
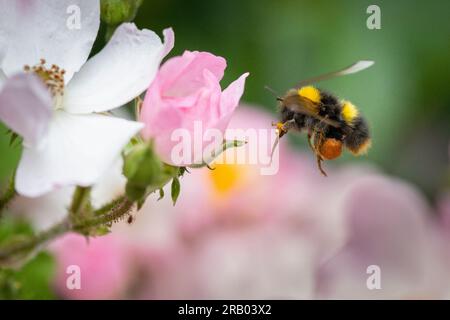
(359,135)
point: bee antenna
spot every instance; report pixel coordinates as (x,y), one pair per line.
(273,92)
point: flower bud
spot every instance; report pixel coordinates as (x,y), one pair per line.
(114,12)
(145,171)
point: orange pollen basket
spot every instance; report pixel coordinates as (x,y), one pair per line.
(330,149)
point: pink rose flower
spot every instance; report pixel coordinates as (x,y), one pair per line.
(104,266)
(186,90)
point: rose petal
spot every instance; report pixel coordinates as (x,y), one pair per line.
(120,72)
(48,29)
(232,95)
(79,149)
(26,107)
(43,212)
(181,76)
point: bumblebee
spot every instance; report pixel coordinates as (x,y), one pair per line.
(329,122)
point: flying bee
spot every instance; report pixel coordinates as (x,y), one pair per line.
(330,123)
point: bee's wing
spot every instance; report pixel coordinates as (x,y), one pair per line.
(301,104)
(354,68)
(308,107)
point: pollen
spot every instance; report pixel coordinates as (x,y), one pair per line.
(330,149)
(310,93)
(349,111)
(53,78)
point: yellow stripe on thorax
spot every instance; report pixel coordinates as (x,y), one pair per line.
(310,93)
(349,111)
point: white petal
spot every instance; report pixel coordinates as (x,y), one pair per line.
(78,150)
(120,72)
(43,212)
(62,32)
(26,107)
(110,185)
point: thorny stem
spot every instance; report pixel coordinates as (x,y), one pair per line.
(29,244)
(106,215)
(115,213)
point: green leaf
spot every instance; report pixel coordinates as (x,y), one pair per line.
(175,189)
(13,231)
(10,228)
(32,281)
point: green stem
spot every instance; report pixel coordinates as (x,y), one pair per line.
(80,202)
(10,251)
(114,213)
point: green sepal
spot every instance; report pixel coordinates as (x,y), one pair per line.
(145,172)
(161,194)
(114,12)
(175,189)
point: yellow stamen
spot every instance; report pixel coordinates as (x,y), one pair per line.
(52,77)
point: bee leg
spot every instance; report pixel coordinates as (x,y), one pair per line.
(284,127)
(319,164)
(319,158)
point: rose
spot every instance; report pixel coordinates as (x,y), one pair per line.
(185,93)
(55,105)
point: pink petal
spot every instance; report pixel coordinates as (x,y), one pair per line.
(181,76)
(104,263)
(26,107)
(232,95)
(169,41)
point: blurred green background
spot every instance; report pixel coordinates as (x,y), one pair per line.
(404,96)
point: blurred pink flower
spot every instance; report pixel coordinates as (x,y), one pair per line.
(186,89)
(251,262)
(390,227)
(237,234)
(105,265)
